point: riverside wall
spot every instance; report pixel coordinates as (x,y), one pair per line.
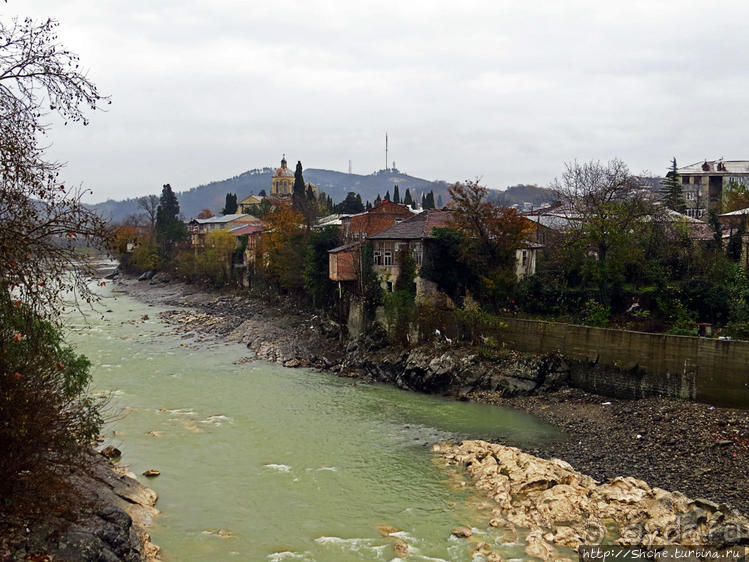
(635,364)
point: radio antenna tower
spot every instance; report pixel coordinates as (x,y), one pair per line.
(386,150)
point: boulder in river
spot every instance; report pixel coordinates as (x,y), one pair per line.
(111,452)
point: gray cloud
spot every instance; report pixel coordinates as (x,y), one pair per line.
(507,91)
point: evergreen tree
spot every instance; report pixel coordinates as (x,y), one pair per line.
(429,200)
(423,201)
(168,203)
(230,206)
(351,205)
(735,243)
(169,229)
(262,193)
(368,206)
(378,200)
(299,195)
(671,189)
(387,195)
(717,228)
(396,194)
(407,200)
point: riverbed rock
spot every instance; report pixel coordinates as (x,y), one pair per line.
(462,532)
(111,452)
(146,275)
(110,525)
(563,507)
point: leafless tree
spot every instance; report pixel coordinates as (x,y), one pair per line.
(150,205)
(601,201)
(41,221)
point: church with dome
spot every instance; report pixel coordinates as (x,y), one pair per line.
(282,185)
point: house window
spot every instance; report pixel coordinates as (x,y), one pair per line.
(690,195)
(685,180)
(524,259)
(416,254)
(388,257)
(377,258)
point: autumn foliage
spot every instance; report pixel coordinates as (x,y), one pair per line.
(281,249)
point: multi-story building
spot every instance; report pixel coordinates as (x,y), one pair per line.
(703,183)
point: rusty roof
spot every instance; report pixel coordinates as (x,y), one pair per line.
(417,227)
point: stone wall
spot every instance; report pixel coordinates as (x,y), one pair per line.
(634,364)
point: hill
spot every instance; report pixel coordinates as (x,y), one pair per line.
(519,194)
(336,184)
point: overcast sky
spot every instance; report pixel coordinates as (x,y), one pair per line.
(507,91)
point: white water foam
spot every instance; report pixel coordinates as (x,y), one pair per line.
(278,467)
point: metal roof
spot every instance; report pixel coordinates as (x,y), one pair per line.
(220,219)
(247,229)
(736,213)
(345,247)
(732,167)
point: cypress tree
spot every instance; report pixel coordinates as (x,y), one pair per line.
(169,229)
(299,195)
(378,200)
(396,194)
(671,190)
(407,200)
(387,195)
(230,205)
(429,200)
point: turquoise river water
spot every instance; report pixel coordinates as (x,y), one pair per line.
(260,462)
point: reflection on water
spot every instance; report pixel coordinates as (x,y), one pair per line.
(259,462)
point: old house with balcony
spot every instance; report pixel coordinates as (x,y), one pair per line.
(198,228)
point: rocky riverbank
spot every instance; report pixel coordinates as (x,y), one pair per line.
(698,449)
(558,506)
(108,524)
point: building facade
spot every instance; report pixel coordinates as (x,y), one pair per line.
(703,183)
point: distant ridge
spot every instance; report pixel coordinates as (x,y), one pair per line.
(335,184)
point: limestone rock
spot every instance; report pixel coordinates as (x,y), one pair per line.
(563,507)
(462,532)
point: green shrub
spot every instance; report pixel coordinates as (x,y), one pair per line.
(47,419)
(596,314)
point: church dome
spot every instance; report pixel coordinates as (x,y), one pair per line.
(283,171)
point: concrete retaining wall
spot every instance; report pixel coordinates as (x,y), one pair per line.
(708,370)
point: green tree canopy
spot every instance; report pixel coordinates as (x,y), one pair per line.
(230,206)
(671,189)
(169,228)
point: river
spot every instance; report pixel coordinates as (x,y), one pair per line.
(261,462)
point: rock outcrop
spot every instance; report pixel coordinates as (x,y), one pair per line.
(429,368)
(110,526)
(561,507)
